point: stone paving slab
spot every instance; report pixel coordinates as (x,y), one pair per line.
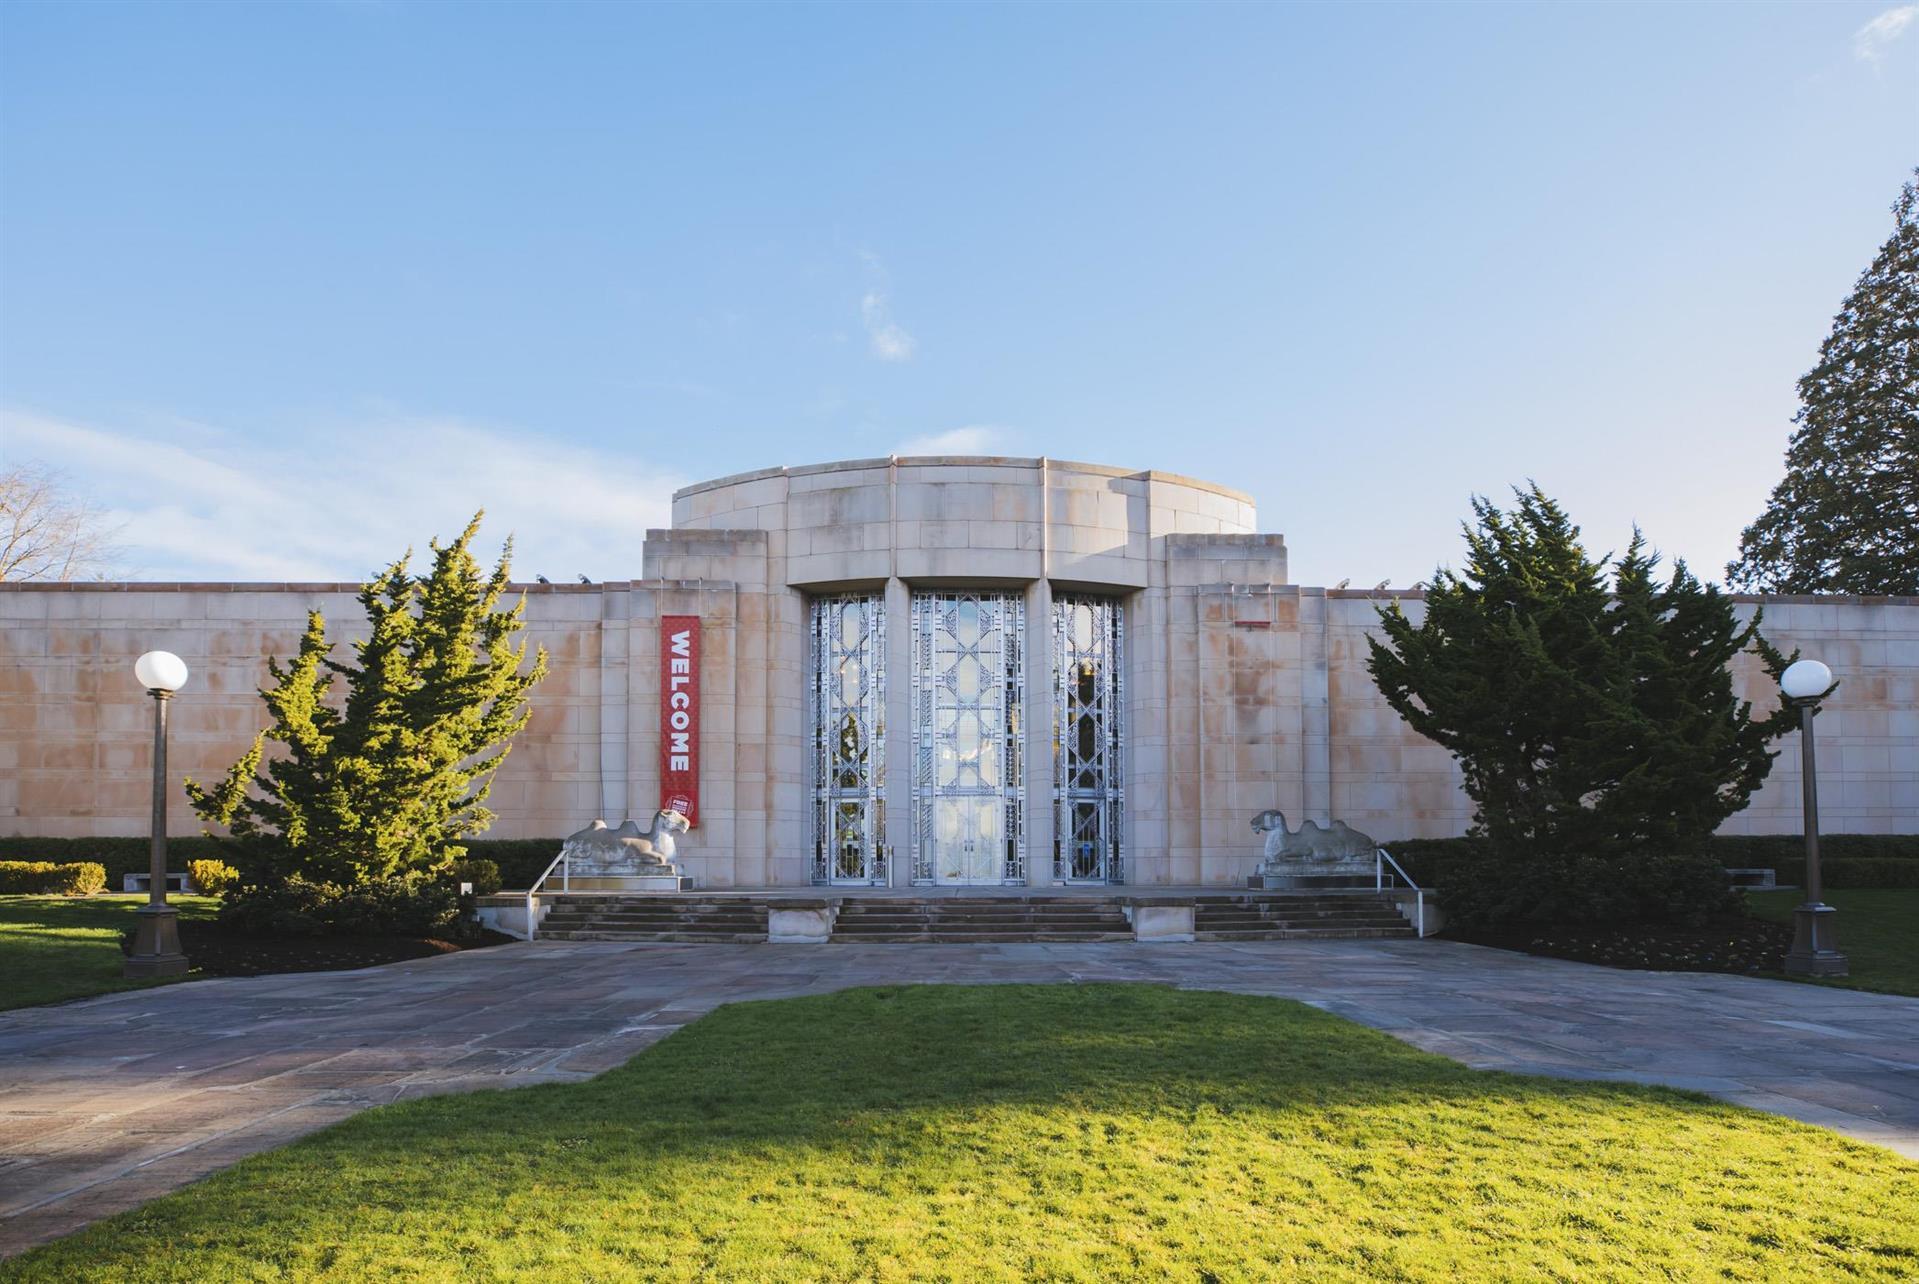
(108,1102)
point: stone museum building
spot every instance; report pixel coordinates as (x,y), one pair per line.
(909,672)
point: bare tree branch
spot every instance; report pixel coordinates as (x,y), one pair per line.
(47,533)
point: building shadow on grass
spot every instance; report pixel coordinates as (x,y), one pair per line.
(772,1121)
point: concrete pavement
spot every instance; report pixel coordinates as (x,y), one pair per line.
(108,1102)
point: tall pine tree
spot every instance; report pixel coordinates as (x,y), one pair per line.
(1846,517)
(386,782)
(1593,717)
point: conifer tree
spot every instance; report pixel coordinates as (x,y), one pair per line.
(1595,723)
(1846,517)
(385,782)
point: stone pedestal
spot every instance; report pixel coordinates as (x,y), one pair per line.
(1815,943)
(627,859)
(1162,920)
(667,879)
(156,944)
(796,922)
(1305,877)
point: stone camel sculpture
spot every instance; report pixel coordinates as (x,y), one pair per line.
(627,848)
(1310,844)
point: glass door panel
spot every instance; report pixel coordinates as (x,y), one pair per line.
(1088,767)
(966,703)
(846,704)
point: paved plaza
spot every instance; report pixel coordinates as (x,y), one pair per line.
(108,1102)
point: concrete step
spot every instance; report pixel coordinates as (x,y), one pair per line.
(615,916)
(972,938)
(658,919)
(684,938)
(655,916)
(1254,920)
(1312,934)
(1226,916)
(1283,902)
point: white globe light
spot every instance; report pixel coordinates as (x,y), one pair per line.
(161,671)
(1804,679)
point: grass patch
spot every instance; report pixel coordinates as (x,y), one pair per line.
(1878,932)
(54,948)
(1033,1132)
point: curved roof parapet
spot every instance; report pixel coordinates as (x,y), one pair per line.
(964,461)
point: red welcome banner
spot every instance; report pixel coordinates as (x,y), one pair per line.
(680,714)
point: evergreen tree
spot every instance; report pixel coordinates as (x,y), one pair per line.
(386,782)
(1846,517)
(1595,723)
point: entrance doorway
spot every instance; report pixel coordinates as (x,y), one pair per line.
(1088,769)
(969,794)
(846,708)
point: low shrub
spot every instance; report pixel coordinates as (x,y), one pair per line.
(391,907)
(212,876)
(45,878)
(479,871)
(1489,889)
(1851,871)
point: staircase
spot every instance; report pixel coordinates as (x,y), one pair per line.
(1226,916)
(957,920)
(655,918)
(1297,916)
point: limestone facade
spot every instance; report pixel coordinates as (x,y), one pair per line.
(1241,691)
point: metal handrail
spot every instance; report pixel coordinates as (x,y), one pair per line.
(565,867)
(1383,858)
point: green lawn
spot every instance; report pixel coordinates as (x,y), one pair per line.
(1034,1132)
(1878,931)
(68,947)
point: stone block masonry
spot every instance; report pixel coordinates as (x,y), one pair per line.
(1242,691)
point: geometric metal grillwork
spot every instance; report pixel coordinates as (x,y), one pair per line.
(969,805)
(846,720)
(1088,770)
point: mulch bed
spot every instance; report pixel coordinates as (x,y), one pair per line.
(1741,945)
(214,952)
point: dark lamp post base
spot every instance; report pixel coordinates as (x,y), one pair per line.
(1815,943)
(156,944)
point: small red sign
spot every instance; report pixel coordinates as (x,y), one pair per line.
(680,714)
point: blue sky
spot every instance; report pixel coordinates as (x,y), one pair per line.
(289,287)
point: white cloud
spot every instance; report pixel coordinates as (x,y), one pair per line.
(978,439)
(888,341)
(333,502)
(1870,41)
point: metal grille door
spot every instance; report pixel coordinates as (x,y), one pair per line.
(969,802)
(1088,770)
(846,703)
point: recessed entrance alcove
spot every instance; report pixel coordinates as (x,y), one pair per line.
(982,662)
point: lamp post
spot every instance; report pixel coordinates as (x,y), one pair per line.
(1815,943)
(156,937)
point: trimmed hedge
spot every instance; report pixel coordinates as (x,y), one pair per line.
(1776,851)
(42,877)
(1845,860)
(1852,871)
(117,856)
(520,859)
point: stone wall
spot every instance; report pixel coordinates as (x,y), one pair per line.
(1243,692)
